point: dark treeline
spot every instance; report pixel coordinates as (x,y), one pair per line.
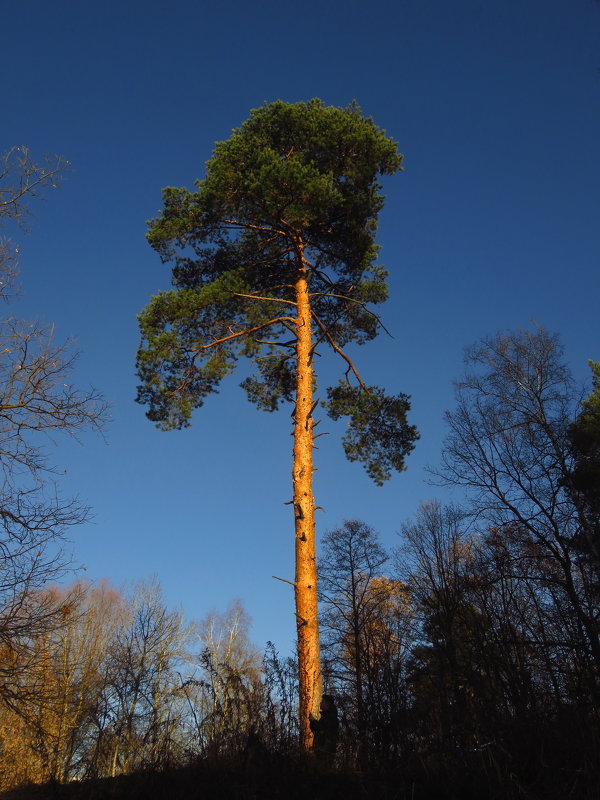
(464,663)
(476,648)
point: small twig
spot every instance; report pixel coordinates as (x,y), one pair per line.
(274,344)
(259,297)
(313,352)
(312,408)
(283,580)
(339,297)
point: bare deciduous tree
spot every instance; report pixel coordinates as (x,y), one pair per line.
(509,447)
(228,687)
(37,402)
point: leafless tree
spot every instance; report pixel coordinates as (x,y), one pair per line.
(38,405)
(225,690)
(508,445)
(366,625)
(141,704)
(352,558)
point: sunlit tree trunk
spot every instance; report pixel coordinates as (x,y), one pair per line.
(309,660)
(294,176)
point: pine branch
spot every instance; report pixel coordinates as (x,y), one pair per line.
(245,332)
(340,352)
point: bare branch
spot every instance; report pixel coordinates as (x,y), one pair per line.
(274,344)
(258,297)
(245,332)
(29,179)
(357,302)
(234,223)
(340,352)
(283,580)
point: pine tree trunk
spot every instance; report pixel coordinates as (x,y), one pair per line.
(309,659)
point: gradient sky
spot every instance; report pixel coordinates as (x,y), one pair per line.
(495,222)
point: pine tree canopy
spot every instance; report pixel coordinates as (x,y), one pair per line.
(295,186)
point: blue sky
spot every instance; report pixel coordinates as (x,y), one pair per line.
(494,223)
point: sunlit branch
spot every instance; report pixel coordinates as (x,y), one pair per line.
(258,297)
(245,332)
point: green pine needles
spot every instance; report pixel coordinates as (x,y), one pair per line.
(294,188)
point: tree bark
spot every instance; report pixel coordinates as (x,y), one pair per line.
(309,658)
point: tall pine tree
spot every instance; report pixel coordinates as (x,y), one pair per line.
(273,256)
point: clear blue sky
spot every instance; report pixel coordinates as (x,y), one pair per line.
(494,222)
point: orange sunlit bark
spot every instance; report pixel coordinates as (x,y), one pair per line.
(309,659)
